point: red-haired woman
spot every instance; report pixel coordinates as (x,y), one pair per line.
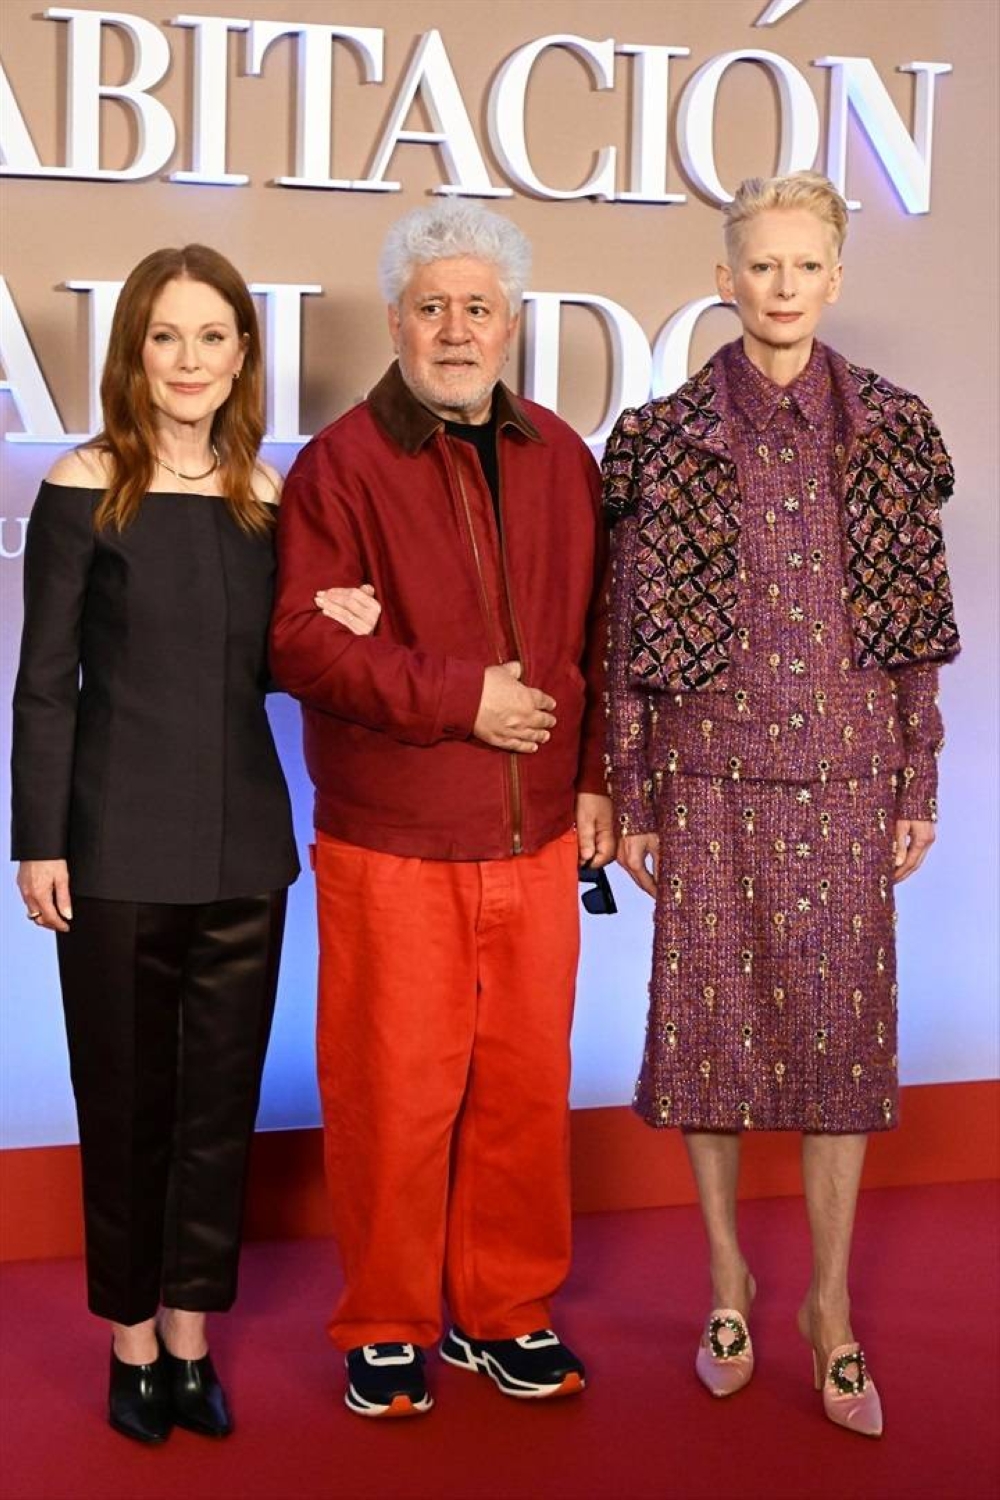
(151,817)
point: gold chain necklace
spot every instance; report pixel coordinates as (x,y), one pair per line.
(191,478)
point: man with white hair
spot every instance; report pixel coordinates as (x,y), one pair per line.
(457,755)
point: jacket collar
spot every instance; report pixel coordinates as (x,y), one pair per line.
(759,399)
(699,409)
(411,424)
(863,400)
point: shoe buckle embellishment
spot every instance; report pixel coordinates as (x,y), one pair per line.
(738,1343)
(377,1355)
(849,1385)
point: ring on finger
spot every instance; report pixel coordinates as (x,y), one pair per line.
(33,916)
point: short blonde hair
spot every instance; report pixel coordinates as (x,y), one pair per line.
(808,190)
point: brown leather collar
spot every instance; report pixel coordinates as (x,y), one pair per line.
(410,424)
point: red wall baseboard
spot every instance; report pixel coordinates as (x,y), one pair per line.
(949,1133)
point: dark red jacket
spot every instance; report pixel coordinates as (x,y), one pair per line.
(384,496)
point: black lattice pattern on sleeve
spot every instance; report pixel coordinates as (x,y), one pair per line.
(901,603)
(686,569)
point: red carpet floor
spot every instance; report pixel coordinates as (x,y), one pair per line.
(925,1274)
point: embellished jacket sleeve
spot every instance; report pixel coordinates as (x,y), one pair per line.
(923,737)
(900,592)
(630,782)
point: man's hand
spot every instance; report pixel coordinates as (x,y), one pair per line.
(512,716)
(639,854)
(594,830)
(911,840)
(357,609)
(44,887)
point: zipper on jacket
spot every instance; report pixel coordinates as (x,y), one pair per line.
(515,804)
(491,624)
(515,769)
(515,778)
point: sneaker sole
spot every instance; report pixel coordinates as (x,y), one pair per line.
(485,1364)
(400,1406)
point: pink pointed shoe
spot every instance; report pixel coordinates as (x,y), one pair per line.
(724,1362)
(849,1395)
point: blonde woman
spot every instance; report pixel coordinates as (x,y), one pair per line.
(780,607)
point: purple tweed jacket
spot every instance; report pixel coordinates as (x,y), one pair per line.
(668,464)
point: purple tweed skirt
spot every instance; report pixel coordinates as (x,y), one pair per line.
(773,990)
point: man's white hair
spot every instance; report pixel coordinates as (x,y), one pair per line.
(446,230)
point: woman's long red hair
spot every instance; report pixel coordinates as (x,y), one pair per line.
(128,436)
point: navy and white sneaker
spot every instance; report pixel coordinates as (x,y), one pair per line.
(532,1367)
(387,1380)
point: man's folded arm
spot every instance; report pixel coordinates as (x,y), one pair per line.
(418,697)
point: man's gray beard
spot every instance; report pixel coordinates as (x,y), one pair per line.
(468,403)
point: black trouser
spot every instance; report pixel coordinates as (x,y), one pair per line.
(168,1013)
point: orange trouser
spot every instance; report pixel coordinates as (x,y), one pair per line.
(445,1004)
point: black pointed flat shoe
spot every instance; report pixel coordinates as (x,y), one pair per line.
(139,1403)
(197,1400)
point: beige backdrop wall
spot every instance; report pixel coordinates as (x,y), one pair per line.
(919,303)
